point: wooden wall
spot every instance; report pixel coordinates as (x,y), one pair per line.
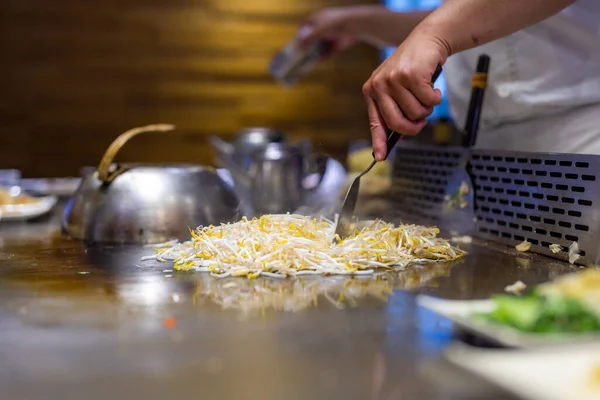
(75,73)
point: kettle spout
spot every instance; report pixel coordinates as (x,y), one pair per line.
(224,150)
(225,159)
(240,177)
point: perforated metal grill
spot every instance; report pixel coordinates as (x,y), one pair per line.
(421,175)
(542,198)
(539,197)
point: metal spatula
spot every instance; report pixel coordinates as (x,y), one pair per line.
(344,225)
(460,197)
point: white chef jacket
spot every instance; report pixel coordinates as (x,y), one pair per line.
(544,85)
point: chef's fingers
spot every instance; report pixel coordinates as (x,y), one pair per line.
(329,25)
(343,43)
(424,92)
(394,117)
(408,103)
(378,130)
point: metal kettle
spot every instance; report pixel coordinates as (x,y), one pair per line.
(276,179)
(246,142)
(147,203)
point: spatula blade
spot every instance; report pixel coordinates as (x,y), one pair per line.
(343,228)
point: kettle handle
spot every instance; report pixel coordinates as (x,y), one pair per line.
(317,166)
(105,173)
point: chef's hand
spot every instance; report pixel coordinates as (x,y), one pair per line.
(332,24)
(399,93)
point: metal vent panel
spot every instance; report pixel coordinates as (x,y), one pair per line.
(420,177)
(540,197)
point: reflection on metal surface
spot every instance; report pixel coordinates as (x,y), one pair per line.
(301,293)
(97,299)
(150,291)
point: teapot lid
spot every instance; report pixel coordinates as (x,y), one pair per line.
(249,139)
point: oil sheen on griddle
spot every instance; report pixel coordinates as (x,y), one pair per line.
(295,61)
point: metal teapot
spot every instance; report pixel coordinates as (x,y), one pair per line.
(277,179)
(147,203)
(246,142)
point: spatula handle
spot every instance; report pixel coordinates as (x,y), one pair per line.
(390,143)
(393,136)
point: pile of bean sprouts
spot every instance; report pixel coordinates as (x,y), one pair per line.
(289,245)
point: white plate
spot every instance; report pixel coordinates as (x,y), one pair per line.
(564,373)
(22,212)
(461,312)
(51,186)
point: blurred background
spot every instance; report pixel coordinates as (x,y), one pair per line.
(75,74)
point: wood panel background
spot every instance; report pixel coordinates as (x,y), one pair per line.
(74,74)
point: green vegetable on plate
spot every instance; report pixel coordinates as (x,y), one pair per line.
(538,313)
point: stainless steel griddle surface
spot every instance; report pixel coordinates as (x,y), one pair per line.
(87,322)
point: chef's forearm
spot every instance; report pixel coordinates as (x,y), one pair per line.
(464,24)
(380,27)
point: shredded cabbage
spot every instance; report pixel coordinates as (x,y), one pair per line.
(287,245)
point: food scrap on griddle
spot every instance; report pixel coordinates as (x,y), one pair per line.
(523,246)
